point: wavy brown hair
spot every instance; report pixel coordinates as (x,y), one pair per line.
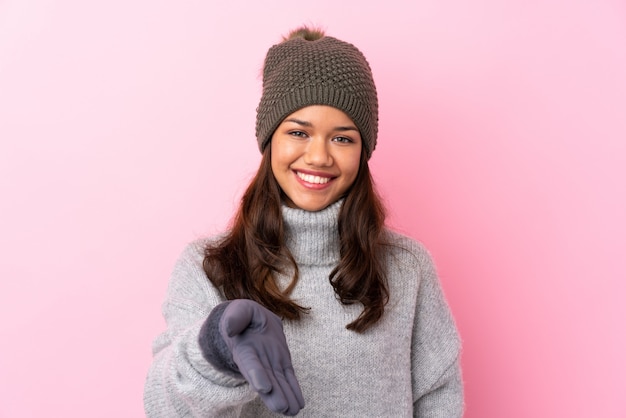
(244,263)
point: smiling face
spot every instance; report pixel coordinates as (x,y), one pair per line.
(315,156)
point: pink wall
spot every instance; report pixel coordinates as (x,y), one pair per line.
(127,129)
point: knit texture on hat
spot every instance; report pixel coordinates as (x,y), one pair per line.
(299,73)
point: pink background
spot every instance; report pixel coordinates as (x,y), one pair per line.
(127,130)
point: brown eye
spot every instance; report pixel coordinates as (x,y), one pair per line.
(342,139)
(298,134)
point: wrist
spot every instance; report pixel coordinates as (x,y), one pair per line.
(212,345)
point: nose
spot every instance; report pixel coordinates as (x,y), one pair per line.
(317,153)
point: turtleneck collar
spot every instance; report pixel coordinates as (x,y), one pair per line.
(313,237)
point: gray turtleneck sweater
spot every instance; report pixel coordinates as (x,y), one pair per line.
(406,365)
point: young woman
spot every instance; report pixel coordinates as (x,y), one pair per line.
(308,305)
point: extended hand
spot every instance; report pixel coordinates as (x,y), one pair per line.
(256,340)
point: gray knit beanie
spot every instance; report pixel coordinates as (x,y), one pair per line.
(322,71)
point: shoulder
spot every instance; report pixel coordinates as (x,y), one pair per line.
(188,272)
(191,258)
(194,251)
(406,250)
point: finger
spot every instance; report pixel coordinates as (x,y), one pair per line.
(236,318)
(291,390)
(290,376)
(276,400)
(258,378)
(252,369)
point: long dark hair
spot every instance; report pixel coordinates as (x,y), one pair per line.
(244,262)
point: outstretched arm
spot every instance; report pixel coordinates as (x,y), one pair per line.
(181,382)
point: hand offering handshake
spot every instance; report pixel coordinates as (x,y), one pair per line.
(256,340)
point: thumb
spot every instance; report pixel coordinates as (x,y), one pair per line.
(237,317)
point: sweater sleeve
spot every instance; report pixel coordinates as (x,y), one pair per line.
(180,381)
(436,348)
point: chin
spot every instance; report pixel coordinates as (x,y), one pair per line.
(311,206)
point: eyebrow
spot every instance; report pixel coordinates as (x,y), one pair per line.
(309,125)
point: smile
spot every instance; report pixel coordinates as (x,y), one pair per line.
(312,179)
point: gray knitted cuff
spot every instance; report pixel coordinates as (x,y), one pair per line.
(213,346)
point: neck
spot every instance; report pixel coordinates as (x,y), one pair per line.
(313,237)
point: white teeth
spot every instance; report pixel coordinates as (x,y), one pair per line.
(313,179)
